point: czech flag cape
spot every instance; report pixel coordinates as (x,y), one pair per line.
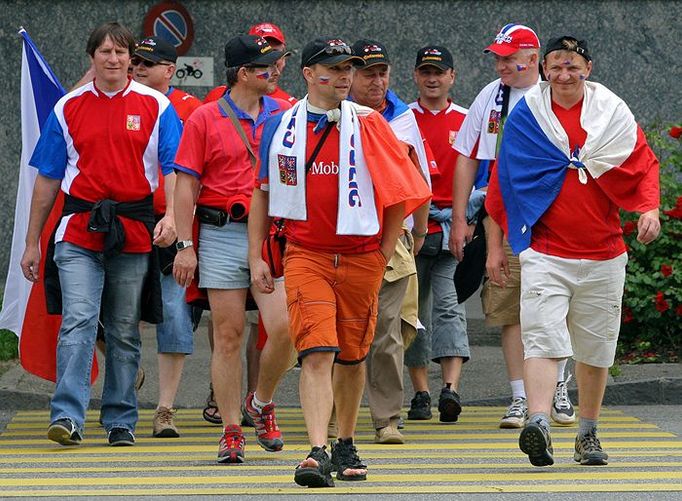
(535,155)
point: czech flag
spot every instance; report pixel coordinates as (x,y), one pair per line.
(24,309)
(535,155)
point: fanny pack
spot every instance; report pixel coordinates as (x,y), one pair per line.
(237,211)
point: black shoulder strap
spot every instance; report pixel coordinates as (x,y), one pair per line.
(318,147)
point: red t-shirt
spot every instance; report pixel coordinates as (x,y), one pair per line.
(582,223)
(217,92)
(184,105)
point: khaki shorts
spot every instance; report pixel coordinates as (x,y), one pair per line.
(571,307)
(501,304)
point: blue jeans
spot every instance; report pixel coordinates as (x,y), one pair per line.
(175,334)
(444,319)
(88,282)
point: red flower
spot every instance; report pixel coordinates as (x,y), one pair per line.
(666,270)
(627,315)
(629,227)
(675,212)
(676,132)
(661,304)
(678,310)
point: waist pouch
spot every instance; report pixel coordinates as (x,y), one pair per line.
(237,210)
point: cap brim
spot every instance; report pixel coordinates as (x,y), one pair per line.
(269,58)
(148,57)
(341,58)
(442,66)
(501,49)
(374,62)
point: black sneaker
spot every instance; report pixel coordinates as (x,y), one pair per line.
(64,432)
(121,436)
(449,405)
(345,456)
(420,407)
(316,477)
(588,450)
(535,441)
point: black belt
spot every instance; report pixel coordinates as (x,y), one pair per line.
(217,217)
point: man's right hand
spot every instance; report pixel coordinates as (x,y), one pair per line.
(497,265)
(184,266)
(30,263)
(459,237)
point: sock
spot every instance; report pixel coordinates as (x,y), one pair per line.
(448,386)
(518,390)
(560,378)
(539,418)
(257,404)
(587,426)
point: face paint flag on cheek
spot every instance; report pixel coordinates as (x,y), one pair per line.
(521,67)
(263,76)
(582,77)
(324,80)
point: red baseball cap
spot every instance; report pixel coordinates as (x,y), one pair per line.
(512,38)
(268,30)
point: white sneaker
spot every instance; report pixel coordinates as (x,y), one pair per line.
(516,414)
(562,408)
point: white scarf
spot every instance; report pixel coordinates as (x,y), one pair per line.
(357,214)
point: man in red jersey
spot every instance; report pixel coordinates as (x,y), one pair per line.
(571,157)
(342,221)
(275,37)
(103,144)
(153,64)
(214,170)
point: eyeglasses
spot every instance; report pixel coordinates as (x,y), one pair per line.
(146,63)
(332,50)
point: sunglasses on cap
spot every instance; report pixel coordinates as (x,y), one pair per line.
(332,50)
(146,63)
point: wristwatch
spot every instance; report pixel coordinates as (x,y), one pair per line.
(183,244)
(419,234)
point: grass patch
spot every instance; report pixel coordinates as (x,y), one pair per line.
(9,345)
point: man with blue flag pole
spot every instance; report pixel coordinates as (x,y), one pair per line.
(572,156)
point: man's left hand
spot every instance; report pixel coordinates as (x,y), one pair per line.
(648,226)
(164,232)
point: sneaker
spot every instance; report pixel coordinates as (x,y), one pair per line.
(535,441)
(420,407)
(163,426)
(562,408)
(247,421)
(120,437)
(588,450)
(516,414)
(64,432)
(345,456)
(320,476)
(389,435)
(401,423)
(139,379)
(268,435)
(449,405)
(231,445)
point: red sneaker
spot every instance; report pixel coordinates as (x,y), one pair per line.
(268,435)
(231,445)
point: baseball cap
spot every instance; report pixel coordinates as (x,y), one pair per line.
(371,52)
(328,51)
(434,55)
(567,42)
(512,38)
(156,49)
(245,50)
(268,30)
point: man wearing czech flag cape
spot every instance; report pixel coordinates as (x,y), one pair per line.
(572,155)
(343,219)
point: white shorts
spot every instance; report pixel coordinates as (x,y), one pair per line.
(571,307)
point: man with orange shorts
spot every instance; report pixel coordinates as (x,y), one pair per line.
(342,221)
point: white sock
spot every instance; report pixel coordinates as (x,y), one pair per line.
(258,405)
(560,378)
(518,390)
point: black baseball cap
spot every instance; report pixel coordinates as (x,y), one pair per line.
(371,52)
(569,43)
(156,49)
(246,50)
(434,55)
(328,51)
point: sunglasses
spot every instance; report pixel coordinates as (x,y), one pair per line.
(147,64)
(332,50)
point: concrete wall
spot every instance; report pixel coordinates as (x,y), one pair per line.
(633,43)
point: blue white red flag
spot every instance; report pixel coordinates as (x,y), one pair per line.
(535,155)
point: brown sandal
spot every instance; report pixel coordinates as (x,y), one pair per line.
(211,412)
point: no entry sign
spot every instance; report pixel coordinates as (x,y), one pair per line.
(171,21)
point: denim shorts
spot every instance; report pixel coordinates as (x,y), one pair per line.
(175,334)
(223,256)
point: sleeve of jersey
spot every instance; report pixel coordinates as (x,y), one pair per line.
(466,141)
(634,185)
(50,154)
(262,166)
(170,129)
(191,150)
(394,177)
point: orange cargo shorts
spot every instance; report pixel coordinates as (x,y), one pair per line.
(332,301)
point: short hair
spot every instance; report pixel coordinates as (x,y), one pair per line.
(118,34)
(231,75)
